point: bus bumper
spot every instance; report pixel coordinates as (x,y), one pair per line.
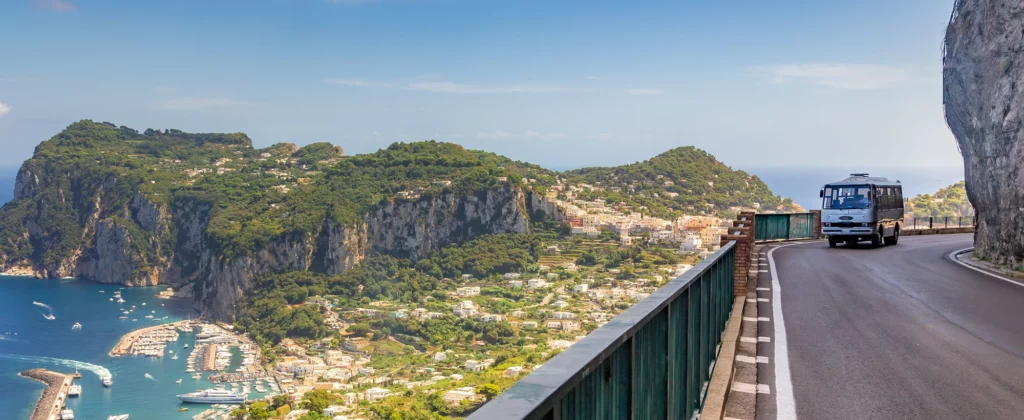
(856,233)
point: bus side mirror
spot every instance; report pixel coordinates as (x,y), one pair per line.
(821,193)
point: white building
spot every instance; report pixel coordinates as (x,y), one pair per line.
(376,394)
(456,395)
(512,372)
(559,344)
(477,365)
(563,315)
(536,284)
(440,356)
(691,243)
(492,318)
(468,291)
(581,288)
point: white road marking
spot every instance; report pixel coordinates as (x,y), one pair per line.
(762,271)
(785,404)
(764,289)
(751,359)
(758,319)
(762,299)
(748,340)
(751,388)
(953,257)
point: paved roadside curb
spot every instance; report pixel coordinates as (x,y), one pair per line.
(992,270)
(722,378)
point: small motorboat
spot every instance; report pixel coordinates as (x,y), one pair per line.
(178,381)
(118,417)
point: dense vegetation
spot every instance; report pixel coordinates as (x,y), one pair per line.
(684,178)
(257,195)
(273,309)
(946,202)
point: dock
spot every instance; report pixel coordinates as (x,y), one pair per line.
(148,341)
(53,397)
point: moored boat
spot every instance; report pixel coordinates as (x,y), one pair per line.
(213,396)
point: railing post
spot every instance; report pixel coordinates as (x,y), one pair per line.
(743,234)
(816,224)
(931,222)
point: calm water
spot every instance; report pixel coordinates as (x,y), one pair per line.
(803,183)
(53,345)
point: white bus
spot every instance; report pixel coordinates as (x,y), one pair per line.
(861,208)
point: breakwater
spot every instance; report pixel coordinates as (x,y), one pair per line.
(53,397)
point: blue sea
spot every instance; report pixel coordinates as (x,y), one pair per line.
(52,344)
(803,183)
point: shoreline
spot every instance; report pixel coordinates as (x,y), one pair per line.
(54,394)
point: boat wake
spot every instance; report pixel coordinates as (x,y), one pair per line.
(43,305)
(49,310)
(150,377)
(96,369)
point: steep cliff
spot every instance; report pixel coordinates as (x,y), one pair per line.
(115,206)
(983,66)
(411,229)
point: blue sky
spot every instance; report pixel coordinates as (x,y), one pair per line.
(559,83)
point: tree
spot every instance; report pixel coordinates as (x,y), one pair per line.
(489,390)
(359,330)
(280,401)
(238,413)
(316,401)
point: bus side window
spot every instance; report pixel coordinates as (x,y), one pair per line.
(899,197)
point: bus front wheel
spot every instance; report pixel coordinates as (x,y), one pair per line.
(832,242)
(878,239)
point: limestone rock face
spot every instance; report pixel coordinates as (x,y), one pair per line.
(983,96)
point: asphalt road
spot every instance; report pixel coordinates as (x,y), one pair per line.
(897,332)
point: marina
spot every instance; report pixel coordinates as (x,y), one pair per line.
(150,341)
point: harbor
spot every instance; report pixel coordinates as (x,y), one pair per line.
(149,341)
(51,402)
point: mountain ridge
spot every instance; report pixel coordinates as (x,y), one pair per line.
(209,212)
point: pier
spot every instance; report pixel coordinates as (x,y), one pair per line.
(148,341)
(53,397)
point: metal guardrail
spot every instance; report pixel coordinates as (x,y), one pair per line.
(653,361)
(770,227)
(935,222)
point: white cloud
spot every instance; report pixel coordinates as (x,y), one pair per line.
(55,5)
(645,91)
(357,83)
(592,77)
(497,134)
(4,109)
(191,103)
(838,76)
(460,88)
(546,136)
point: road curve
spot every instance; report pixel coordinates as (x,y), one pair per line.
(897,332)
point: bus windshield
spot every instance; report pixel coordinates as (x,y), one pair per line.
(847,197)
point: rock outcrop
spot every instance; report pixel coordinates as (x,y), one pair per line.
(132,240)
(983,95)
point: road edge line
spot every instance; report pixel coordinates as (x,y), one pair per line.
(953,256)
(785,404)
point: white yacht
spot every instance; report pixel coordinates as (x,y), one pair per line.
(213,396)
(106,380)
(67,414)
(74,390)
(118,417)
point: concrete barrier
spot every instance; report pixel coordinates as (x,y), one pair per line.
(937,231)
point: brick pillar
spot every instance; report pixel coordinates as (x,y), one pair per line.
(743,233)
(817,223)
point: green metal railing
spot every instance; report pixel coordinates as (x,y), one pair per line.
(653,361)
(771,227)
